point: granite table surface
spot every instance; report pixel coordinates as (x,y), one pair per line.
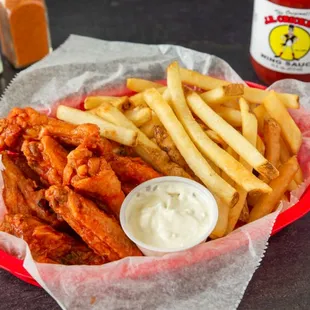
(217,27)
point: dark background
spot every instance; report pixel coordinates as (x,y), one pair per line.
(222,28)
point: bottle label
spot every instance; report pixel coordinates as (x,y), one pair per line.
(280,38)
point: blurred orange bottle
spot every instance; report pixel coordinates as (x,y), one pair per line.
(280,41)
(24,31)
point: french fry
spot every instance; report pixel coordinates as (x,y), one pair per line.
(93,102)
(231,116)
(252,95)
(249,123)
(137,100)
(222,94)
(222,221)
(231,136)
(110,131)
(249,131)
(205,145)
(260,113)
(284,152)
(284,157)
(292,186)
(140,85)
(233,104)
(190,153)
(260,145)
(289,130)
(166,95)
(268,202)
(145,148)
(299,176)
(234,213)
(139,116)
(272,134)
(165,142)
(231,152)
(255,95)
(245,213)
(215,137)
(148,128)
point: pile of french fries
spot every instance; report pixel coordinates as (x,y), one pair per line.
(240,142)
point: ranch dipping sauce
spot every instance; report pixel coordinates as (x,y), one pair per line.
(170,214)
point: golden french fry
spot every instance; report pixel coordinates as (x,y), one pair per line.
(245,213)
(140,85)
(299,176)
(145,148)
(148,128)
(166,95)
(137,100)
(292,186)
(231,116)
(233,104)
(260,145)
(284,157)
(249,131)
(165,142)
(272,134)
(108,130)
(206,146)
(268,202)
(289,130)
(190,153)
(93,102)
(231,152)
(255,95)
(222,221)
(252,95)
(222,94)
(284,152)
(249,123)
(215,137)
(234,213)
(252,198)
(139,116)
(260,113)
(231,136)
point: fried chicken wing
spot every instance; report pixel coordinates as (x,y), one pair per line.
(28,124)
(101,232)
(12,197)
(10,135)
(23,191)
(132,170)
(93,176)
(21,162)
(48,245)
(47,158)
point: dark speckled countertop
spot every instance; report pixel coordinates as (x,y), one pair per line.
(217,27)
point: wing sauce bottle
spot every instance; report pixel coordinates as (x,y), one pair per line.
(280,41)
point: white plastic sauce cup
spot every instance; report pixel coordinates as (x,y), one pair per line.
(206,195)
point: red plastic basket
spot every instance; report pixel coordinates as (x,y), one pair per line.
(15,265)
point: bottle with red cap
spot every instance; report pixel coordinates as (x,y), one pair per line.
(280,41)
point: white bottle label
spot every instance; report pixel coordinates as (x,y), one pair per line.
(280,38)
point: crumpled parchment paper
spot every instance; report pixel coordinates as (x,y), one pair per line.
(213,275)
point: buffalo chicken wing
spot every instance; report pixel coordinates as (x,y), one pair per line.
(48,245)
(101,232)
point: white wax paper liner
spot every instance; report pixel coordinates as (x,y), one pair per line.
(213,275)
